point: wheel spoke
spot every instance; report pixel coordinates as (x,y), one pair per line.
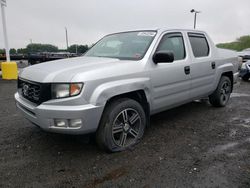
(125,116)
(134,118)
(118,128)
(225,85)
(123,139)
(224,97)
(133,133)
(227,89)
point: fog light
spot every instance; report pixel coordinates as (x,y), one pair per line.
(75,123)
(60,122)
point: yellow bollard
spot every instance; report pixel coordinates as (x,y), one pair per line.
(9,70)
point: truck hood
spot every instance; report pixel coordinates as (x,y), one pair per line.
(81,68)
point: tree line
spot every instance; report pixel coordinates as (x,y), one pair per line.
(238,45)
(36,47)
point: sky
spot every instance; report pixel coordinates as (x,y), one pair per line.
(44,21)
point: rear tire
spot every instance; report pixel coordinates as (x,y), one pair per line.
(122,125)
(220,97)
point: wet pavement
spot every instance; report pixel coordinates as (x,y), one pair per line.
(194,145)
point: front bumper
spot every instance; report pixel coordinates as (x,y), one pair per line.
(44,116)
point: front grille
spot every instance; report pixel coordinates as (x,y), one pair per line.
(34,91)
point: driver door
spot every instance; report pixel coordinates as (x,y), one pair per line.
(171,82)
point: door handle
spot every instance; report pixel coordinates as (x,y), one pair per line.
(187,69)
(213,65)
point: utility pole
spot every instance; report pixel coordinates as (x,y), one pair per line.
(195,16)
(9,69)
(7,51)
(67,41)
(31,46)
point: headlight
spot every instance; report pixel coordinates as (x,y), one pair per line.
(66,90)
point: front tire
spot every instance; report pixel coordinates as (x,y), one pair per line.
(122,125)
(220,97)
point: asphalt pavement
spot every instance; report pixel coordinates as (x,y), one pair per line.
(194,145)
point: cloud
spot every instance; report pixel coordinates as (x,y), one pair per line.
(44,21)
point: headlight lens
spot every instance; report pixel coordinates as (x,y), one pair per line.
(66,90)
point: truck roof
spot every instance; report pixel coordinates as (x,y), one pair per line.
(161,30)
(187,30)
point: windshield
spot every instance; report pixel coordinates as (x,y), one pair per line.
(126,46)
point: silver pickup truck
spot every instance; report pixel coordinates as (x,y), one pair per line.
(123,79)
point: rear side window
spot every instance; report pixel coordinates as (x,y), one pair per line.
(173,42)
(199,44)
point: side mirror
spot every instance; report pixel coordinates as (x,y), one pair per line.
(163,57)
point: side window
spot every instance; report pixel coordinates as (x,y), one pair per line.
(173,42)
(199,44)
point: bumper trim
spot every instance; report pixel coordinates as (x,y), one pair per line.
(25,109)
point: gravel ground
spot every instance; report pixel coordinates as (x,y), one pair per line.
(194,145)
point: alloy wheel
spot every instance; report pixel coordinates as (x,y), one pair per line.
(225,92)
(126,127)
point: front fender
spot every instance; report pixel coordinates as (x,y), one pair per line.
(108,90)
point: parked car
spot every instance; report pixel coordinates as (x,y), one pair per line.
(39,57)
(245,54)
(123,79)
(245,71)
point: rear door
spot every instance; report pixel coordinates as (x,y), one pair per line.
(171,82)
(202,68)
